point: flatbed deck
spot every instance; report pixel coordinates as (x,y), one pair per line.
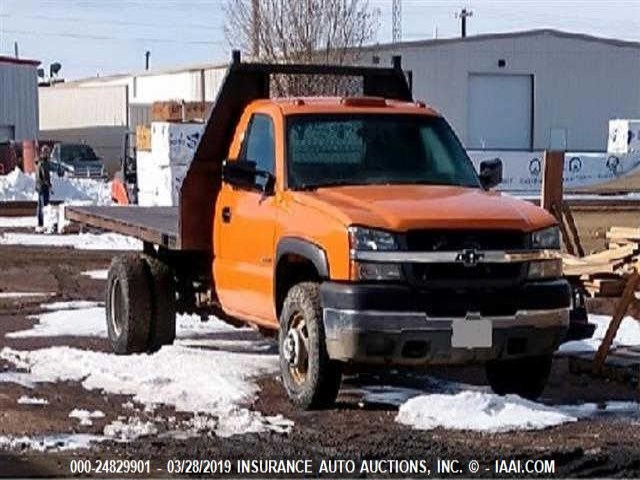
(157,225)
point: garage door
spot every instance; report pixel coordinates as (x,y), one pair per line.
(6,133)
(499,112)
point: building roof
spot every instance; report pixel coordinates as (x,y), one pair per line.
(374,47)
(518,34)
(19,61)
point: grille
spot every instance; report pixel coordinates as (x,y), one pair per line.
(438,240)
(458,304)
(456,275)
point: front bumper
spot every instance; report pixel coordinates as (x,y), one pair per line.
(395,325)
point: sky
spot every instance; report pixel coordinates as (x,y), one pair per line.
(102,37)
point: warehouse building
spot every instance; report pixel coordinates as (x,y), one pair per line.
(522,91)
(526,90)
(18,99)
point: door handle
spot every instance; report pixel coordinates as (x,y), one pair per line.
(226,214)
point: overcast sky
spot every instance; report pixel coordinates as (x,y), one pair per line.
(91,37)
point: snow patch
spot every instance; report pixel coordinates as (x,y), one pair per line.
(88,319)
(85,416)
(20,186)
(96,274)
(628,335)
(18,222)
(81,241)
(25,400)
(130,429)
(85,322)
(59,442)
(19,378)
(212,382)
(479,411)
(25,294)
(70,305)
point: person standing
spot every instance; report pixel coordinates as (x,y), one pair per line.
(43,184)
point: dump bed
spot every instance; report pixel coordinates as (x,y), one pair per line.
(190,225)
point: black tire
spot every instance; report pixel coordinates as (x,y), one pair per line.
(128,305)
(162,329)
(526,377)
(311,379)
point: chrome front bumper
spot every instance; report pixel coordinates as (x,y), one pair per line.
(413,338)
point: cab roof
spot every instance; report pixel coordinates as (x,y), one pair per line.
(365,104)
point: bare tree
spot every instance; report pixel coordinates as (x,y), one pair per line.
(301,31)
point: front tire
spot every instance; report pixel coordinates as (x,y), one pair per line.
(526,377)
(311,379)
(128,305)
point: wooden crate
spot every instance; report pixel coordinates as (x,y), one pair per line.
(143,138)
(174,111)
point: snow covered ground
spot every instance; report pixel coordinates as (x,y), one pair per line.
(212,376)
(96,274)
(18,222)
(88,319)
(18,186)
(25,294)
(628,334)
(82,241)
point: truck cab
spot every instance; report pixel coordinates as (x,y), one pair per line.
(359,229)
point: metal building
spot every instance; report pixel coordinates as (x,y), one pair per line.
(521,91)
(18,99)
(526,90)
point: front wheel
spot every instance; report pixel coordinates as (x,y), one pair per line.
(310,377)
(526,377)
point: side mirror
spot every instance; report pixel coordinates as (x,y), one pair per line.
(491,173)
(244,174)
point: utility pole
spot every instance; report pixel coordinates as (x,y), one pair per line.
(396,23)
(147,55)
(255,28)
(462,15)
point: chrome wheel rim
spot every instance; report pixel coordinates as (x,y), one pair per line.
(296,348)
(116,308)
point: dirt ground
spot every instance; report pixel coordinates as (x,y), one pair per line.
(602,446)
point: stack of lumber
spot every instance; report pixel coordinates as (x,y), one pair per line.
(604,274)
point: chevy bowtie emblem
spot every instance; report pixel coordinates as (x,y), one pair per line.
(469,257)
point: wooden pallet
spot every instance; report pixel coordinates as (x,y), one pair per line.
(621,365)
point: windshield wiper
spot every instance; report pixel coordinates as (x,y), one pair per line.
(337,183)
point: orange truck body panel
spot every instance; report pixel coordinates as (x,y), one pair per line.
(245,249)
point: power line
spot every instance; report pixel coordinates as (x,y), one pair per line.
(83,36)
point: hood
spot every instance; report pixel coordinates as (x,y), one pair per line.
(405,207)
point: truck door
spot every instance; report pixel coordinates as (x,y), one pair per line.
(244,240)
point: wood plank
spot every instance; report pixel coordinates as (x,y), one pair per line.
(571,227)
(620,311)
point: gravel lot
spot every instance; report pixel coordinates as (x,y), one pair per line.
(600,445)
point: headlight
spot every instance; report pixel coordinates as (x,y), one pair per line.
(545,269)
(371,239)
(548,238)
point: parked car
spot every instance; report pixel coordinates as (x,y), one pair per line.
(76,160)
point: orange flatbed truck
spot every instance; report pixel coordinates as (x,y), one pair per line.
(353,227)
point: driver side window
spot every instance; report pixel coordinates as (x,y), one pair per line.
(259,143)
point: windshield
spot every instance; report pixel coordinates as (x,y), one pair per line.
(325,150)
(75,153)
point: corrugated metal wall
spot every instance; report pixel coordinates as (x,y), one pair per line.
(19,100)
(76,107)
(579,84)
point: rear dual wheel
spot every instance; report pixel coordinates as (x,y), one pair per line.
(140,304)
